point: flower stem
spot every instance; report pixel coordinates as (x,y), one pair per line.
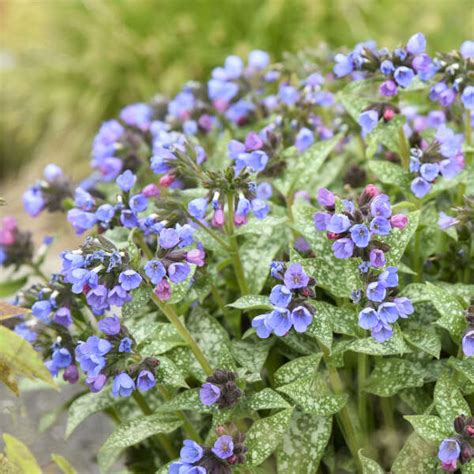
(404,149)
(234,247)
(162,439)
(37,271)
(387,411)
(173,318)
(362,366)
(211,233)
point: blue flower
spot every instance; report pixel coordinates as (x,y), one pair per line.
(105,213)
(83,199)
(118,296)
(129,280)
(338,223)
(289,95)
(295,277)
(145,381)
(343,248)
(389,278)
(33,201)
(261,325)
(81,220)
(382,332)
(343,66)
(169,238)
(404,75)
(301,318)
(63,316)
(155,271)
(468,343)
(380,206)
(467,49)
(280,296)
(137,115)
(404,306)
(221,90)
(52,172)
(467,97)
(386,67)
(429,171)
(258,59)
(90,355)
(25,332)
(138,203)
(388,313)
(449,450)
(360,235)
(364,267)
(280,321)
(97,298)
(414,165)
(380,226)
(326,198)
(376,291)
(125,345)
(420,188)
(368,318)
(126,180)
(42,310)
(110,325)
(368,120)
(209,394)
(123,385)
(198,207)
(321,220)
(304,139)
(178,272)
(260,208)
(223,447)
(264,190)
(416,44)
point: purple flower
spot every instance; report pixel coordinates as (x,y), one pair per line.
(137,115)
(105,213)
(422,64)
(118,296)
(388,313)
(399,221)
(126,180)
(224,447)
(90,355)
(382,332)
(467,97)
(71,374)
(52,172)
(280,321)
(420,188)
(264,191)
(301,318)
(155,271)
(368,120)
(81,220)
(343,66)
(295,277)
(343,248)
(129,280)
(110,325)
(377,258)
(368,318)
(380,206)
(449,450)
(280,296)
(326,198)
(196,257)
(376,291)
(403,75)
(258,59)
(145,381)
(125,345)
(380,226)
(63,316)
(450,167)
(260,208)
(138,203)
(128,219)
(42,310)
(429,171)
(404,306)
(33,202)
(83,199)
(96,383)
(304,139)
(338,223)
(123,385)
(360,235)
(389,278)
(209,394)
(169,238)
(468,343)
(386,67)
(289,95)
(178,272)
(388,89)
(321,220)
(416,44)
(191,452)
(261,326)
(198,207)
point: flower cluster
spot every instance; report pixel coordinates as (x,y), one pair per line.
(383,308)
(460,447)
(16,247)
(220,388)
(442,158)
(227,451)
(356,231)
(289,300)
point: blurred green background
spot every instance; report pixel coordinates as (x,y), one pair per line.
(66,65)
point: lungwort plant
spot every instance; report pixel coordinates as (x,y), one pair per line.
(276,270)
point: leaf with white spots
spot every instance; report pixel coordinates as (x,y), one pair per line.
(385,133)
(309,394)
(297,368)
(392,375)
(135,307)
(465,367)
(355,97)
(251,353)
(168,374)
(187,400)
(425,339)
(417,292)
(416,457)
(429,427)
(321,326)
(265,435)
(448,400)
(369,466)
(395,345)
(267,399)
(451,310)
(133,432)
(180,290)
(252,302)
(304,443)
(389,173)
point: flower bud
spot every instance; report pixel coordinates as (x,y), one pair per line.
(196,256)
(151,190)
(399,221)
(218,218)
(163,290)
(71,374)
(166,180)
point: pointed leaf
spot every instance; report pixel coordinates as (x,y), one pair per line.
(416,457)
(135,307)
(429,427)
(369,466)
(267,399)
(63,464)
(252,302)
(297,368)
(18,453)
(425,339)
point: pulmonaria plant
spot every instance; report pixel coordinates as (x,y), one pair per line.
(167,306)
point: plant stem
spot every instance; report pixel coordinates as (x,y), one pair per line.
(162,439)
(404,149)
(211,233)
(37,271)
(362,361)
(234,247)
(173,318)
(417,257)
(387,411)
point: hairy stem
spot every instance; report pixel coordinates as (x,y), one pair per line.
(211,233)
(404,149)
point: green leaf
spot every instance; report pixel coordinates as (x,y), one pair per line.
(369,466)
(21,359)
(389,173)
(267,399)
(140,298)
(392,375)
(180,290)
(465,367)
(162,337)
(417,399)
(303,171)
(313,397)
(352,97)
(252,302)
(63,464)
(416,457)
(429,427)
(451,311)
(398,239)
(251,353)
(395,345)
(86,405)
(10,287)
(265,435)
(425,339)
(187,400)
(385,133)
(304,443)
(297,368)
(321,326)
(18,453)
(169,374)
(133,432)
(416,292)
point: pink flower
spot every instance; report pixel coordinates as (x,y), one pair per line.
(196,256)
(163,290)
(400,221)
(151,190)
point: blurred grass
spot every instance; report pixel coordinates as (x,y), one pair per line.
(66,65)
